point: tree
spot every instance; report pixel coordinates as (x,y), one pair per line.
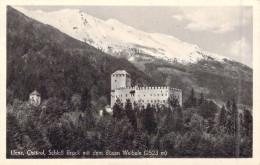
(118,109)
(173,102)
(202,98)
(208,110)
(234,118)
(228,105)
(148,120)
(130,113)
(14,134)
(222,116)
(85,100)
(169,122)
(248,123)
(76,100)
(179,119)
(89,119)
(192,100)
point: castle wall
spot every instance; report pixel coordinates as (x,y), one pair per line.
(147,95)
(125,93)
(152,95)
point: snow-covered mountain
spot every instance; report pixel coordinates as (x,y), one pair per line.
(116,38)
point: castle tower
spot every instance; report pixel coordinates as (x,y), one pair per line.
(119,79)
(35,98)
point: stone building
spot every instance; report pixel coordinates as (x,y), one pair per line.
(35,98)
(121,89)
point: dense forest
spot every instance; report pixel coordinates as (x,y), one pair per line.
(198,129)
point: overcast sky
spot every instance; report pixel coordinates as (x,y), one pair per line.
(223,30)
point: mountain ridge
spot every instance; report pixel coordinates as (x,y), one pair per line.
(107,36)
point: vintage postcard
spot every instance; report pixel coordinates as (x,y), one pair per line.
(119,81)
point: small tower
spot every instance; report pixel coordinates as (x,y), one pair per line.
(35,98)
(119,79)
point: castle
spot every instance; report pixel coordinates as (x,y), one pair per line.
(121,89)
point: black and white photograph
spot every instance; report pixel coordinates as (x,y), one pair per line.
(102,82)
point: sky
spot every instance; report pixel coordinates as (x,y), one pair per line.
(227,31)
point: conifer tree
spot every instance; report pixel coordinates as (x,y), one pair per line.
(222,116)
(118,109)
(148,120)
(85,100)
(248,123)
(156,144)
(234,118)
(192,100)
(169,122)
(179,119)
(228,105)
(89,119)
(130,113)
(202,98)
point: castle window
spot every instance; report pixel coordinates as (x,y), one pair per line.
(158,95)
(144,95)
(163,101)
(115,80)
(162,94)
(151,94)
(151,101)
(166,94)
(125,95)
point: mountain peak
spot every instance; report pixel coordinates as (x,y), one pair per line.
(116,38)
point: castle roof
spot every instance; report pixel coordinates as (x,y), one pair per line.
(121,72)
(35,93)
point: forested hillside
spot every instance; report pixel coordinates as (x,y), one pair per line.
(219,81)
(42,58)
